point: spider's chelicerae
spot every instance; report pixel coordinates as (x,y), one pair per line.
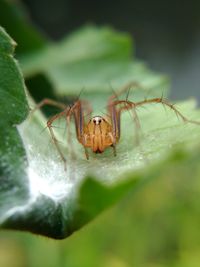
(99,132)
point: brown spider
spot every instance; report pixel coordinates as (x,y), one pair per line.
(99,132)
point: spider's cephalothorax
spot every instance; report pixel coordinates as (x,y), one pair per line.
(100,133)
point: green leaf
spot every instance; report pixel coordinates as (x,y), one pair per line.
(96,59)
(87,43)
(17,24)
(13,181)
(54,202)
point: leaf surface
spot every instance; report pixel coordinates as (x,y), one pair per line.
(36,193)
(17,24)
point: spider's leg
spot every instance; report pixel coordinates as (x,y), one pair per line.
(114,150)
(126,88)
(115,109)
(137,125)
(55,141)
(68,117)
(114,116)
(113,143)
(86,153)
(49,102)
(125,106)
(78,112)
(167,104)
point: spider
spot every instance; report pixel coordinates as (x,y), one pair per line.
(99,133)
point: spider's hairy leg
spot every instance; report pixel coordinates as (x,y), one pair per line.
(115,110)
(127,107)
(137,125)
(84,145)
(126,88)
(78,111)
(165,103)
(69,139)
(114,150)
(86,153)
(113,144)
(55,141)
(50,102)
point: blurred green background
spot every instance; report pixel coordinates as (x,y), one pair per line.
(160,225)
(167,33)
(157,227)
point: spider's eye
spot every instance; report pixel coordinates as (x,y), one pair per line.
(94,121)
(99,121)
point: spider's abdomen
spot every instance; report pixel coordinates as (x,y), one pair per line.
(98,134)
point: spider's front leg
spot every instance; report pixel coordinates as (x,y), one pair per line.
(116,106)
(78,112)
(49,102)
(133,85)
(166,103)
(63,107)
(115,110)
(55,141)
